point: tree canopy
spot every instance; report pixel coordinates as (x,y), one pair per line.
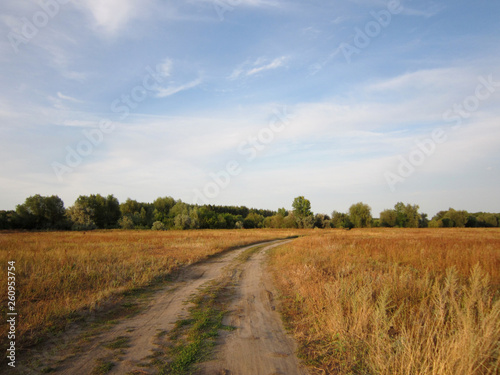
(99,212)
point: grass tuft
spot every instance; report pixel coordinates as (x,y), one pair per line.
(102,367)
(121,342)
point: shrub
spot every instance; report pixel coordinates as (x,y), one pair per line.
(158,225)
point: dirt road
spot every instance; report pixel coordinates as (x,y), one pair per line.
(257,346)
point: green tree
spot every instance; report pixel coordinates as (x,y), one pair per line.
(282,212)
(141,214)
(162,207)
(158,225)
(434,224)
(275,221)
(340,220)
(130,207)
(82,217)
(407,216)
(302,210)
(39,212)
(360,215)
(458,218)
(104,212)
(195,218)
(424,221)
(322,221)
(388,218)
(253,220)
(6,219)
(290,221)
(487,220)
(301,207)
(126,223)
(182,221)
(412,215)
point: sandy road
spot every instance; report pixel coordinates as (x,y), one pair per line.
(258,346)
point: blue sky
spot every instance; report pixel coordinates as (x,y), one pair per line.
(329,100)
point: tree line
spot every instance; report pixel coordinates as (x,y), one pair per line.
(166,213)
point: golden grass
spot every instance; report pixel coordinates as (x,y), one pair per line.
(392,301)
(61,273)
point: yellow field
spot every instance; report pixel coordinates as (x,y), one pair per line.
(59,273)
(371,301)
(392,301)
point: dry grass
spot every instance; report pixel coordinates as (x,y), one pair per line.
(62,273)
(387,301)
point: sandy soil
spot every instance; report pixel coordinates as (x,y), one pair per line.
(258,346)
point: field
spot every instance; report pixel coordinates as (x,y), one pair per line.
(394,301)
(62,275)
(371,301)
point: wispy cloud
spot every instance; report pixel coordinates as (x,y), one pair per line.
(247,3)
(276,63)
(69,98)
(260,65)
(165,67)
(431,11)
(425,78)
(163,92)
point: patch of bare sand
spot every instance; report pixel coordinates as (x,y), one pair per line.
(259,345)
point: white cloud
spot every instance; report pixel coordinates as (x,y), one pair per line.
(433,10)
(163,92)
(165,67)
(69,98)
(339,20)
(276,63)
(424,79)
(80,123)
(245,3)
(111,15)
(260,65)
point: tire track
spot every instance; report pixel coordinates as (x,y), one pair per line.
(259,345)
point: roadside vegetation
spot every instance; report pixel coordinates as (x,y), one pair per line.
(65,276)
(386,301)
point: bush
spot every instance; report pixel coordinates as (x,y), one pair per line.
(158,225)
(126,223)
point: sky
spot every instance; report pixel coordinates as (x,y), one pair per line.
(252,102)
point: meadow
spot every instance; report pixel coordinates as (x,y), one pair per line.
(389,301)
(64,276)
(364,301)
